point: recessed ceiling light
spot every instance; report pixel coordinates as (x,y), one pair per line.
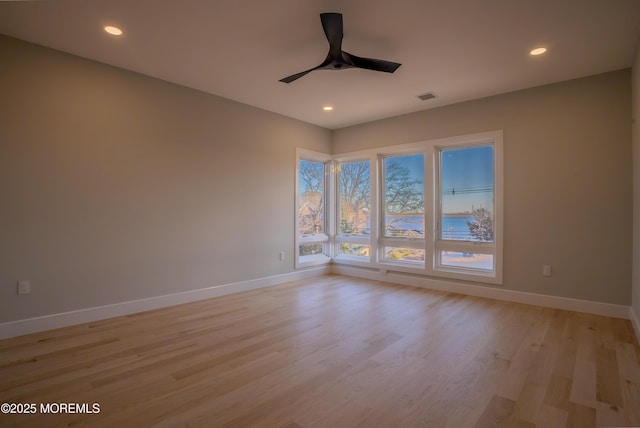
(114,31)
(327,108)
(537,51)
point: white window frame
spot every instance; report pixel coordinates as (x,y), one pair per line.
(414,243)
(323,238)
(492,248)
(431,243)
(365,240)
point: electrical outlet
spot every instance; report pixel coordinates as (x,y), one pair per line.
(546,270)
(24,287)
(281,255)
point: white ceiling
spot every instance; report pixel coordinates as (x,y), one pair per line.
(459,49)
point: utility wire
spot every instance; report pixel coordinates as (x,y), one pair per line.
(466,190)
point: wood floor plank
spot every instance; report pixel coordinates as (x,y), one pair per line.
(499,413)
(628,362)
(608,378)
(332,351)
(558,392)
(609,416)
(551,417)
(631,399)
(581,416)
(583,385)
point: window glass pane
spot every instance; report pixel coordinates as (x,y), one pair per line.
(403,254)
(354,190)
(467,194)
(360,250)
(311,198)
(466,260)
(404,196)
(310,249)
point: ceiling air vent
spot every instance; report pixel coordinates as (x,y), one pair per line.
(427,96)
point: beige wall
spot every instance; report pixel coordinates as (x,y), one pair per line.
(567,179)
(115,186)
(635,85)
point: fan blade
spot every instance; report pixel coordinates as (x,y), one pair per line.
(332,26)
(370,63)
(296,76)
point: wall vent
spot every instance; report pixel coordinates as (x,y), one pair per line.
(427,96)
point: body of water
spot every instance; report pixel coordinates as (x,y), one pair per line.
(456,228)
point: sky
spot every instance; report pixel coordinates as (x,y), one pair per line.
(466,177)
(318,167)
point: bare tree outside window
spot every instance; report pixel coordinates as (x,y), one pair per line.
(311,208)
(354,184)
(404,198)
(311,217)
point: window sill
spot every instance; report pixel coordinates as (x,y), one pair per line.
(312,260)
(416,268)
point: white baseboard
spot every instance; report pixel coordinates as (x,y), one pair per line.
(65,319)
(577,305)
(635,322)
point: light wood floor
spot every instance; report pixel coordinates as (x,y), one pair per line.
(332,352)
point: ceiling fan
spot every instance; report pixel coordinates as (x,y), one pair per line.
(337,59)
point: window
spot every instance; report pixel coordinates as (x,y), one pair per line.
(312,223)
(353,204)
(431,208)
(403,225)
(466,238)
